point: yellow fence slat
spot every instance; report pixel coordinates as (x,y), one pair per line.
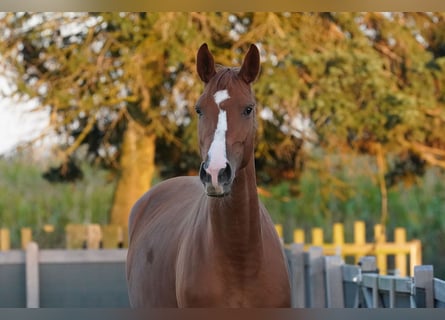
(81,236)
(379,238)
(94,236)
(75,236)
(380,248)
(359,237)
(112,236)
(338,237)
(26,237)
(299,236)
(400,260)
(5,239)
(415,254)
(317,236)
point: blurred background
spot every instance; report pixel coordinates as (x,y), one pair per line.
(97,107)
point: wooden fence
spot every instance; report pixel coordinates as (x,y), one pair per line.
(406,254)
(320,281)
(319,275)
(77,236)
(96,278)
(53,278)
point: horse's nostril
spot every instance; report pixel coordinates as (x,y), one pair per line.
(225,174)
(210,180)
(203,175)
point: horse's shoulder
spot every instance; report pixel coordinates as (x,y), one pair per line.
(164,194)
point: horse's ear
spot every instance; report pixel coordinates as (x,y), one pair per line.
(251,65)
(205,63)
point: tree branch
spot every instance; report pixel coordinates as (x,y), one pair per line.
(66,153)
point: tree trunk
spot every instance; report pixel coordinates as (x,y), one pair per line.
(381,165)
(137,164)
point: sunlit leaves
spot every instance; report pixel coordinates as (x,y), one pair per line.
(358,78)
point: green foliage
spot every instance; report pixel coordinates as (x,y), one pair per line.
(27,200)
(417,207)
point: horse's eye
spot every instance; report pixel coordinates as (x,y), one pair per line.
(198,111)
(248,110)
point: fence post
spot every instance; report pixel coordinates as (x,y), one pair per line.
(32,275)
(380,238)
(351,276)
(83,236)
(94,236)
(75,236)
(400,259)
(334,282)
(5,239)
(423,281)
(317,236)
(369,289)
(368,264)
(299,235)
(359,237)
(112,237)
(338,238)
(415,254)
(26,237)
(297,277)
(317,292)
(392,293)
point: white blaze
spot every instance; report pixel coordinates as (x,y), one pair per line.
(221,96)
(217,152)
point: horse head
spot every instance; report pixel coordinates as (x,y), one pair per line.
(226,126)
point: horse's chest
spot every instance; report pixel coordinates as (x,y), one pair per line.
(207,290)
(216,291)
(212,283)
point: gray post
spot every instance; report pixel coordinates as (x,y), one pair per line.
(368,264)
(334,282)
(352,277)
(317,290)
(423,281)
(32,275)
(297,277)
(392,293)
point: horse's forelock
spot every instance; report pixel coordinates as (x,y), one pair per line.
(225,78)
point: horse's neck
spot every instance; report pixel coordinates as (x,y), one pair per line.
(235,219)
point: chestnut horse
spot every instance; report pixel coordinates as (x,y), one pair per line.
(208,241)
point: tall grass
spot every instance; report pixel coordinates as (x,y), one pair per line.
(28,200)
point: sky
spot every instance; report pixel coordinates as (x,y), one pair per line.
(18,123)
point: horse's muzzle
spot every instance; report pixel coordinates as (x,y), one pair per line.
(216,186)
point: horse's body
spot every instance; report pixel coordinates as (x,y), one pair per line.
(195,246)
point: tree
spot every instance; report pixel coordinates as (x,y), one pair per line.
(392,84)
(121,83)
(370,83)
(107,79)
(344,83)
